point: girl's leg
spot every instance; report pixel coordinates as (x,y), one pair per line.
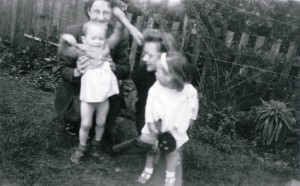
(172,160)
(101,114)
(148,170)
(86,112)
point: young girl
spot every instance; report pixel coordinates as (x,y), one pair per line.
(172,104)
(98,83)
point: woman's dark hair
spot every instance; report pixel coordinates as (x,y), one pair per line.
(179,69)
(166,40)
(88,4)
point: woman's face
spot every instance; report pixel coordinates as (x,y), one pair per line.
(151,55)
(100,11)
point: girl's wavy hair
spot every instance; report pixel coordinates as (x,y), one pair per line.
(166,41)
(88,4)
(179,69)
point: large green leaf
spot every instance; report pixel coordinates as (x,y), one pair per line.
(278,131)
(265,131)
(286,123)
(270,130)
(271,138)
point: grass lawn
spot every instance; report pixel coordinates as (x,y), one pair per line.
(35,151)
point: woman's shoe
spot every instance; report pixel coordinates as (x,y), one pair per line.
(144,177)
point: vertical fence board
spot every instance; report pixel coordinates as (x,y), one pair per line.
(244,41)
(197,49)
(260,40)
(134,45)
(275,49)
(184,32)
(175,27)
(229,38)
(6,19)
(292,50)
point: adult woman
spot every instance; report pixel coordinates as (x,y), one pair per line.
(67,98)
(156,42)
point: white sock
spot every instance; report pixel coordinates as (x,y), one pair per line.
(170,174)
(148,170)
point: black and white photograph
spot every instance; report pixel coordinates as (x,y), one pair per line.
(150,92)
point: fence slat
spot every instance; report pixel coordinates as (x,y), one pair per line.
(260,40)
(244,41)
(134,45)
(184,32)
(197,49)
(275,49)
(229,38)
(13,21)
(292,50)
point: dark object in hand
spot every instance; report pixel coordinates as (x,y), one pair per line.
(166,142)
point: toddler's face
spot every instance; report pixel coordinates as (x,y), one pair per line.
(94,37)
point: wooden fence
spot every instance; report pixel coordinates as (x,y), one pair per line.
(44,19)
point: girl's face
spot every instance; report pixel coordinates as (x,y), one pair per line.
(151,55)
(100,11)
(163,77)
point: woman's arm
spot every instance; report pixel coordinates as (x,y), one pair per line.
(136,34)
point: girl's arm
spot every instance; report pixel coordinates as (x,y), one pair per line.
(136,34)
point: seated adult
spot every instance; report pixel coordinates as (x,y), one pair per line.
(156,42)
(67,102)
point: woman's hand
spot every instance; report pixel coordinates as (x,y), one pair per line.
(136,34)
(82,65)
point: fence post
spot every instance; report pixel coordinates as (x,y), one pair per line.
(292,49)
(175,27)
(197,49)
(229,38)
(244,41)
(184,32)
(13,21)
(260,40)
(275,49)
(134,45)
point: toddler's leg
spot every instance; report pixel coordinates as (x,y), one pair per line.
(86,112)
(172,159)
(101,114)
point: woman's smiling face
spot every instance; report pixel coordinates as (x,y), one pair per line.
(100,11)
(151,55)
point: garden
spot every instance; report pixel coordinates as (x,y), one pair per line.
(247,131)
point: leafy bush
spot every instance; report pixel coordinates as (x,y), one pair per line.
(274,122)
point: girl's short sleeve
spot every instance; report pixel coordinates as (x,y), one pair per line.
(193,100)
(149,117)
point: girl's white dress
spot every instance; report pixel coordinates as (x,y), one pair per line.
(174,108)
(98,83)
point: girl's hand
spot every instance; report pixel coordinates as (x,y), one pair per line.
(152,128)
(82,64)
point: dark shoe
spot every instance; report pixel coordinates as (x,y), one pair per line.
(71,130)
(78,154)
(96,148)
